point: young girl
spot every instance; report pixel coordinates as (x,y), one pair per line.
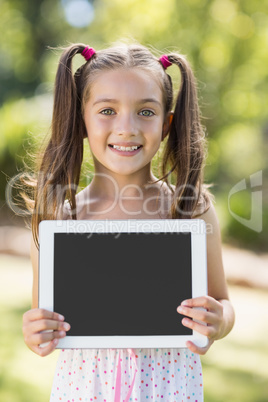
(121,99)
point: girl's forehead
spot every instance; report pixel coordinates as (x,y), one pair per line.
(131,81)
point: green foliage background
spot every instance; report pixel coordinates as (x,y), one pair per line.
(226,42)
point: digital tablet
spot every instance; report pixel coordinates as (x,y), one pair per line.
(119,282)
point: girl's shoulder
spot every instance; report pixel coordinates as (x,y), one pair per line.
(204,204)
(213,230)
(209,215)
(204,207)
(81,200)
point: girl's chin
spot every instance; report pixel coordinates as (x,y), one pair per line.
(124,170)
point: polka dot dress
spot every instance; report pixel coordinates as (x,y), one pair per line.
(168,375)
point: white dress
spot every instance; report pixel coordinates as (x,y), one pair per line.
(158,375)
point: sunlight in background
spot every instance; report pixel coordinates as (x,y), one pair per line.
(223,10)
(78,13)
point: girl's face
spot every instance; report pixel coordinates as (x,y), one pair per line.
(125,121)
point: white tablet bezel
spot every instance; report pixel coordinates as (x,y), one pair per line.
(196,227)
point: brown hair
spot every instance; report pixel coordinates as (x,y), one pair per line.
(61,161)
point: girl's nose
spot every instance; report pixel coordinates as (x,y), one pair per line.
(126,125)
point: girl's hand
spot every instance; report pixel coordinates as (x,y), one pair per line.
(36,321)
(212,321)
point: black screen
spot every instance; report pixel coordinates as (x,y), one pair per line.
(122,284)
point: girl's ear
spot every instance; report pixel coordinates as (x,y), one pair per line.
(167,124)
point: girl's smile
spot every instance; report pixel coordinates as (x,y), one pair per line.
(126,148)
(125,122)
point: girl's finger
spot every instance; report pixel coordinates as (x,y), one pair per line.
(43,325)
(196,314)
(44,351)
(207,302)
(206,330)
(202,316)
(39,314)
(196,349)
(38,339)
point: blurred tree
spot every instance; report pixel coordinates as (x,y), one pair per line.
(28,30)
(21,47)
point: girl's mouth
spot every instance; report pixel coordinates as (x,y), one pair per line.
(125,150)
(121,148)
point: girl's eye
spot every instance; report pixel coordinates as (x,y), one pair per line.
(107,112)
(147,113)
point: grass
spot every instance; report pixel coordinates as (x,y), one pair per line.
(235,368)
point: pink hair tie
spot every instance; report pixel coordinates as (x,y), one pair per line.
(88,52)
(164,61)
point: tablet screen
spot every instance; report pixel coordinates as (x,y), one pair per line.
(122,283)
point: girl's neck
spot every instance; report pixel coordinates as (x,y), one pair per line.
(111,196)
(111,186)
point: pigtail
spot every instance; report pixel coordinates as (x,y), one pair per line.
(184,152)
(60,167)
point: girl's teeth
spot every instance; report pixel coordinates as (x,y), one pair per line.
(133,148)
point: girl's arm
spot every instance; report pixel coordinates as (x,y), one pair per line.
(36,321)
(218,318)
